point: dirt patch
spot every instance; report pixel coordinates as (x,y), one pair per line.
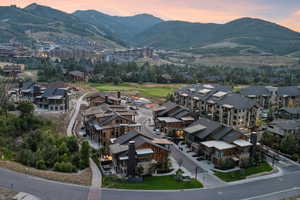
(6,194)
(82,178)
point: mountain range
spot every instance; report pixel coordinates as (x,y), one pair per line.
(250,35)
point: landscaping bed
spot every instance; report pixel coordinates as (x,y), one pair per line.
(243,174)
(152,183)
(6,194)
(82,178)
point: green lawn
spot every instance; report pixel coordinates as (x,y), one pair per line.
(152,183)
(146,90)
(242,174)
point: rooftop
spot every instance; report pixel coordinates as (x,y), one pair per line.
(220,145)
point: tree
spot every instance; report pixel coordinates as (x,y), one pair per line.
(72,144)
(84,155)
(289,144)
(26,108)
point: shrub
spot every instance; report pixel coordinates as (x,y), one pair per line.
(41,164)
(225,164)
(84,155)
(295,157)
(244,162)
(64,167)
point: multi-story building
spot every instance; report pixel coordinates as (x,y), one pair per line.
(148,152)
(171,116)
(99,98)
(53,99)
(261,94)
(106,122)
(218,103)
(217,142)
(268,96)
(288,96)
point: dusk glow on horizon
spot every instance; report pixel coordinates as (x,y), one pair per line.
(286,13)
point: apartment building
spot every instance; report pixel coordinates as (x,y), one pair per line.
(278,97)
(218,103)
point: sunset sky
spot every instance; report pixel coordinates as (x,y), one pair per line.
(284,12)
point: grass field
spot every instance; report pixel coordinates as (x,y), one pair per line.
(239,175)
(149,90)
(152,183)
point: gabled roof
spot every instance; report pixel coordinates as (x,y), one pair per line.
(51,92)
(128,136)
(291,110)
(168,107)
(287,124)
(237,101)
(200,131)
(255,90)
(208,129)
(288,91)
(77,73)
(139,139)
(27,85)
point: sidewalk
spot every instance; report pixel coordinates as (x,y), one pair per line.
(206,177)
(96,174)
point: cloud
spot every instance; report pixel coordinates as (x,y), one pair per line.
(292,21)
(217,11)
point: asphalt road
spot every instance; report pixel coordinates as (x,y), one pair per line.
(276,188)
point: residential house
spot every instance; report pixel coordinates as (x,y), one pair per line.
(171,116)
(55,98)
(11,69)
(289,113)
(28,91)
(148,152)
(217,142)
(105,122)
(77,76)
(282,127)
(99,98)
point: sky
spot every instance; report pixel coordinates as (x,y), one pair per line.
(284,12)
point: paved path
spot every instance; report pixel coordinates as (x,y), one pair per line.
(96,174)
(79,102)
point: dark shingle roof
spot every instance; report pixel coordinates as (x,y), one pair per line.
(237,101)
(210,125)
(27,85)
(216,131)
(288,90)
(294,110)
(50,92)
(232,136)
(255,90)
(287,124)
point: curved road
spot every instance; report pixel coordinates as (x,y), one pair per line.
(275,188)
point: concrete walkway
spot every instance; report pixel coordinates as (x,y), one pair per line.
(96,174)
(95,190)
(79,102)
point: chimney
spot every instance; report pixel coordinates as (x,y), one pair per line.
(131,163)
(253,140)
(119,95)
(106,99)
